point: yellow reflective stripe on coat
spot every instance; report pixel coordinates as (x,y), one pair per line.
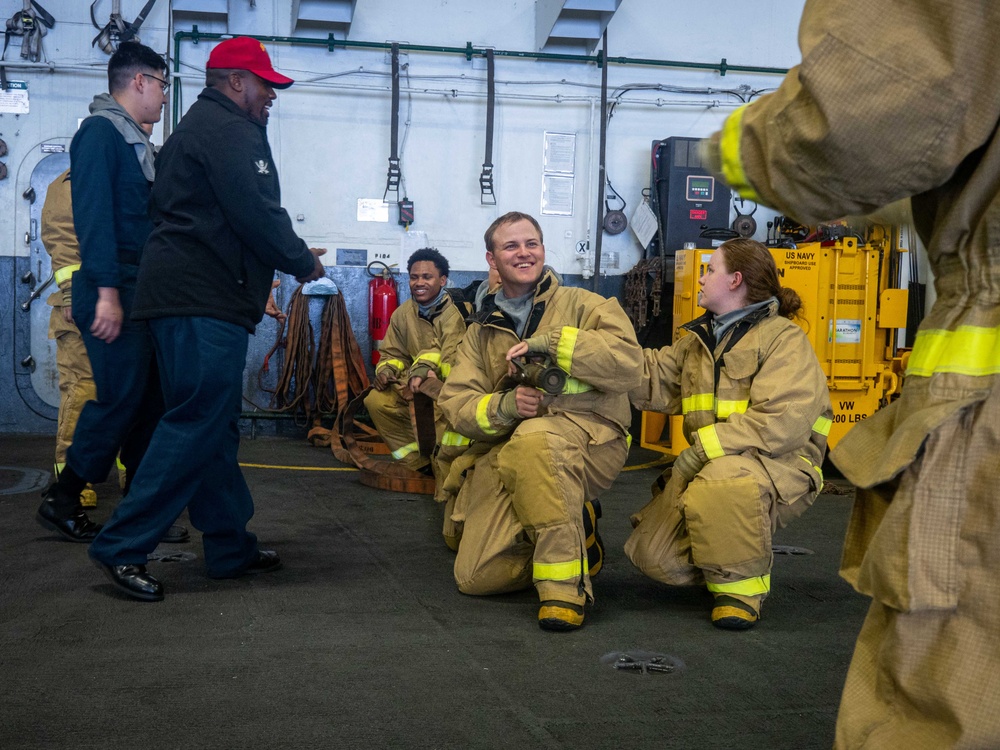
(565,347)
(483,417)
(576,386)
(968,350)
(747,587)
(454,439)
(818,471)
(724,409)
(405,450)
(397,364)
(444,370)
(710,441)
(698,402)
(430,358)
(731,160)
(65,273)
(822,425)
(563,571)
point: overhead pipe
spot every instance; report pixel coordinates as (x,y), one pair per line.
(468,51)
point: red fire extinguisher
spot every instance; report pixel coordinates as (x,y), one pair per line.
(382,302)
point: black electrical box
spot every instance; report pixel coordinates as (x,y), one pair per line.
(405,212)
(685,196)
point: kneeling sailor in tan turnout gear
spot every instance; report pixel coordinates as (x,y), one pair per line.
(538,458)
(756,413)
(419,347)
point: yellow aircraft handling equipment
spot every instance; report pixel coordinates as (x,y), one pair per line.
(851,313)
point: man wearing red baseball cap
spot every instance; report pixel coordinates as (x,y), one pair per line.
(219,233)
(244,53)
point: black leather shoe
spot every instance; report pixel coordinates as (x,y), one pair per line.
(175,535)
(134,581)
(267,560)
(72,524)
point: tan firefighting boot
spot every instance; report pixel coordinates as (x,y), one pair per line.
(560,616)
(735,611)
(88,498)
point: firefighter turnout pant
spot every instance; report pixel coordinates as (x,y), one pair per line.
(76,381)
(522,508)
(716,530)
(391,414)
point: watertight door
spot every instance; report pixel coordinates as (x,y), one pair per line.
(44,375)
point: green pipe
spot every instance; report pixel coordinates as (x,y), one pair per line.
(468,51)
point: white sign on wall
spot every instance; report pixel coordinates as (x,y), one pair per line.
(14,99)
(558,173)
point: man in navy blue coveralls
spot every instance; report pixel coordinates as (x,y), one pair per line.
(219,234)
(111,174)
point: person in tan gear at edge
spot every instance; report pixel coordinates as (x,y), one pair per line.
(539,460)
(898,100)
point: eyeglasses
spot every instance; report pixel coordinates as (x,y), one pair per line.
(164,84)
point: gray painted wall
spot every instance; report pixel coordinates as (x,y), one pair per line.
(330,136)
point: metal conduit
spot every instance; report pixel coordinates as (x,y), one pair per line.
(468,51)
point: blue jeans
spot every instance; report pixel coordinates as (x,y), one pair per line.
(191,461)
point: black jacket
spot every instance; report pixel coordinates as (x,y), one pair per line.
(219,228)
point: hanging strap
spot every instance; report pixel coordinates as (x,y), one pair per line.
(132,30)
(395,174)
(31,24)
(488,198)
(43,15)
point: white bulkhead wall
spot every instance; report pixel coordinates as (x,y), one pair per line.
(330,134)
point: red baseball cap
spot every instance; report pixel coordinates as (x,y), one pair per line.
(244,53)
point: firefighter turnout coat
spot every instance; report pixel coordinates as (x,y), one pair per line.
(898,99)
(413,341)
(527,479)
(756,405)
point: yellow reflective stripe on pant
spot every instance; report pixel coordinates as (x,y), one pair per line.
(968,350)
(65,273)
(731,160)
(565,347)
(405,450)
(454,439)
(564,571)
(747,587)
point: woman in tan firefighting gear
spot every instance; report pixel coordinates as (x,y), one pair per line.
(894,99)
(756,415)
